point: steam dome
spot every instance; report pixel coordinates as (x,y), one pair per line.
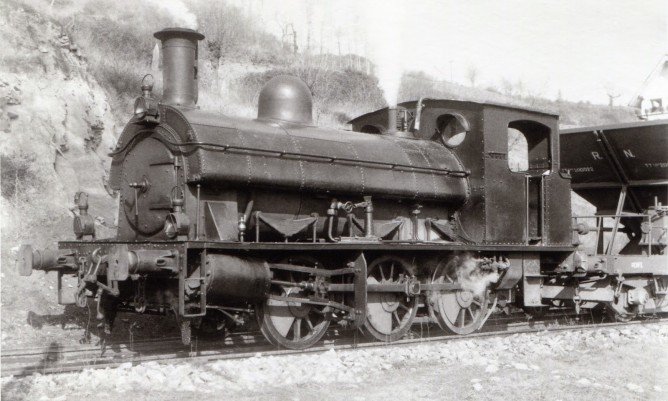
(286,98)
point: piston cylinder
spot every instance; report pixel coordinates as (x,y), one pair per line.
(234,278)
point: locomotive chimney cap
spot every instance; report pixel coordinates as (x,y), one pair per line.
(286,98)
(182,32)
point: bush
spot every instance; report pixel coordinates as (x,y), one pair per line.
(18,176)
(118,43)
(230,34)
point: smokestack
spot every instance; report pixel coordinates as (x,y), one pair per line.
(179,65)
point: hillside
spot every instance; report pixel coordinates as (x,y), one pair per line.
(68,75)
(57,127)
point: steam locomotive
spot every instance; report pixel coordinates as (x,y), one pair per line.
(416,212)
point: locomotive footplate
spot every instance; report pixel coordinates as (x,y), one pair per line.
(391,246)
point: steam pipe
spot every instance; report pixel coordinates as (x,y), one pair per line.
(244,220)
(249,209)
(330,223)
(368,221)
(199,219)
(391,119)
(415,220)
(418,114)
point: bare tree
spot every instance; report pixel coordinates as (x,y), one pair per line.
(288,32)
(520,87)
(611,89)
(322,36)
(295,48)
(611,98)
(507,87)
(338,42)
(517,88)
(309,25)
(472,74)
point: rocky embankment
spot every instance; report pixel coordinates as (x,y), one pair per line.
(56,128)
(53,116)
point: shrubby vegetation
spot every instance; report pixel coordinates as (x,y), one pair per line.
(236,59)
(18,176)
(23,202)
(117,40)
(118,44)
(416,84)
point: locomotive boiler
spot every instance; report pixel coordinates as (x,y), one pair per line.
(418,211)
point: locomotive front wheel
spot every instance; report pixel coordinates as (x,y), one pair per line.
(389,314)
(458,311)
(292,325)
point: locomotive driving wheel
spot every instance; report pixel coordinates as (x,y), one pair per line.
(389,314)
(288,324)
(457,311)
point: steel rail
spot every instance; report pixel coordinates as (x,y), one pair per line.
(252,344)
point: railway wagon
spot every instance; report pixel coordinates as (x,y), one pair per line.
(623,171)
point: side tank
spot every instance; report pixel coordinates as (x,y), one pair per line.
(274,154)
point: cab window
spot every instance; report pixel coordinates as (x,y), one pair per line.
(528,146)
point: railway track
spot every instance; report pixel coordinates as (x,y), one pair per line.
(58,359)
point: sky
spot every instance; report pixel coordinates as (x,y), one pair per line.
(581,49)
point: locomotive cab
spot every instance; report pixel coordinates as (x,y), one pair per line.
(519,150)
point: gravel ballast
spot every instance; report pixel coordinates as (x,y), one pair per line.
(605,363)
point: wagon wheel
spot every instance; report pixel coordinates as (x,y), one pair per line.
(619,310)
(457,311)
(292,325)
(389,314)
